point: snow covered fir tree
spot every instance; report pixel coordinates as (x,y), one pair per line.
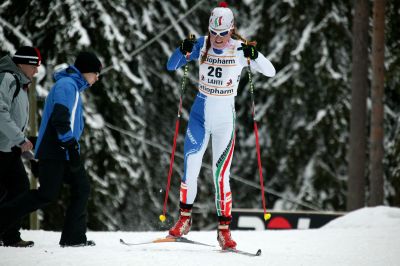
(302,113)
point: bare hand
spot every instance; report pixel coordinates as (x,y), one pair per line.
(26,146)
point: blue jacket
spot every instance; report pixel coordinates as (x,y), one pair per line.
(62,117)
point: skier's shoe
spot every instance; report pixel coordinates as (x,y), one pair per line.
(224,237)
(183,224)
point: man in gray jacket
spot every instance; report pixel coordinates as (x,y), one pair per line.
(16,73)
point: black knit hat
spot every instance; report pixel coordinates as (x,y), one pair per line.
(87,62)
(27,55)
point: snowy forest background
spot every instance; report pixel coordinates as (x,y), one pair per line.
(303,112)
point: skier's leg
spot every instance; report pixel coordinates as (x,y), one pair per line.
(196,141)
(223,142)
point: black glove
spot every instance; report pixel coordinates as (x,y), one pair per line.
(72,147)
(186,46)
(249,51)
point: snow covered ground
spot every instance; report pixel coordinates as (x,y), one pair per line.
(370,236)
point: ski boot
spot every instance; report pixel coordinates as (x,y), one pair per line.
(182,226)
(224,235)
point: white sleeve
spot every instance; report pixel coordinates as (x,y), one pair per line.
(261,64)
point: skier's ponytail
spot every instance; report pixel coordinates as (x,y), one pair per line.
(237,36)
(208,45)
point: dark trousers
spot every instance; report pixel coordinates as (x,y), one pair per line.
(13,182)
(52,175)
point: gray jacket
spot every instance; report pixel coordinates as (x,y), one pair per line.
(13,114)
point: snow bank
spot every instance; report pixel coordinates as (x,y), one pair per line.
(367,237)
(372,217)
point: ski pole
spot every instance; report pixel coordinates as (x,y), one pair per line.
(171,161)
(267,216)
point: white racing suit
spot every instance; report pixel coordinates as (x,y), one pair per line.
(213,114)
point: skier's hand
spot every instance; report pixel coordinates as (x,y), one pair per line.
(249,51)
(186,46)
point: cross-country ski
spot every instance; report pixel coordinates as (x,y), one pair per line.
(189,241)
(166,240)
(241,252)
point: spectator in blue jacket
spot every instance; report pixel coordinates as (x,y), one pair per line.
(58,151)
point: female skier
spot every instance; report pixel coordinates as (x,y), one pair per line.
(222,59)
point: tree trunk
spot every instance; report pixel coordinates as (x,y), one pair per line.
(359,88)
(377,93)
(33,131)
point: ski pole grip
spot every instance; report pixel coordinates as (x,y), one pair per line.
(247,58)
(192,38)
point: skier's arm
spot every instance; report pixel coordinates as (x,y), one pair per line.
(263,65)
(178,59)
(257,60)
